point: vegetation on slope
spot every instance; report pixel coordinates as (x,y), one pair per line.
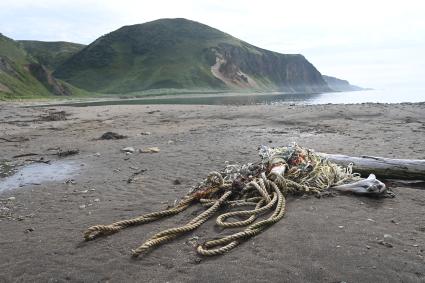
(178,53)
(51,54)
(22,76)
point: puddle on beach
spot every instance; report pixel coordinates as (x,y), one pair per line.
(39,173)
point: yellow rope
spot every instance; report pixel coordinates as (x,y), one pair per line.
(246,185)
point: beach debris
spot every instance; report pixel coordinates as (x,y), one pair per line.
(112,136)
(386,244)
(28,230)
(177,182)
(67,152)
(134,175)
(70,181)
(14,139)
(41,160)
(263,185)
(55,116)
(153,111)
(25,155)
(82,206)
(96,200)
(150,150)
(128,149)
(97,154)
(145,133)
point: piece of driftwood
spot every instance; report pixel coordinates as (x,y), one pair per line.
(386,168)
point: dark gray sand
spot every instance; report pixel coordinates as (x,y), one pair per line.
(319,240)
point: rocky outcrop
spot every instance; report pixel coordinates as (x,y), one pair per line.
(250,66)
(43,75)
(340,85)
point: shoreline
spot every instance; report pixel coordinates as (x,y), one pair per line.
(46,220)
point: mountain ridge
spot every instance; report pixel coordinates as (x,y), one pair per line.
(179,53)
(165,54)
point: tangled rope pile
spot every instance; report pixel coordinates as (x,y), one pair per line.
(263,186)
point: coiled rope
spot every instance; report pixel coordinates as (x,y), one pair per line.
(264,185)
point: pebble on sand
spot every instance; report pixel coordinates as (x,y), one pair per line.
(128,149)
(150,150)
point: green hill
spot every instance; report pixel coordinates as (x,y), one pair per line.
(183,54)
(51,54)
(22,76)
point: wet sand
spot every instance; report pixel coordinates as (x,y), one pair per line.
(319,240)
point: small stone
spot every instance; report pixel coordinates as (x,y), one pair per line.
(386,244)
(97,154)
(96,200)
(371,220)
(11,198)
(150,150)
(128,149)
(29,230)
(145,133)
(340,227)
(170,142)
(177,182)
(112,136)
(83,206)
(367,247)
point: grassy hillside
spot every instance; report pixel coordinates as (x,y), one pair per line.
(15,77)
(51,54)
(180,54)
(22,76)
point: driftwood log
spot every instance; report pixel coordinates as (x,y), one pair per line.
(386,168)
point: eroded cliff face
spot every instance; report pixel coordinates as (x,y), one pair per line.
(247,66)
(230,74)
(43,75)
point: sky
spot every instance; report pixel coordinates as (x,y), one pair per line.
(372,43)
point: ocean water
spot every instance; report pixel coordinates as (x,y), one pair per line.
(364,96)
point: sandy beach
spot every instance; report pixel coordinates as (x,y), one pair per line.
(331,239)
